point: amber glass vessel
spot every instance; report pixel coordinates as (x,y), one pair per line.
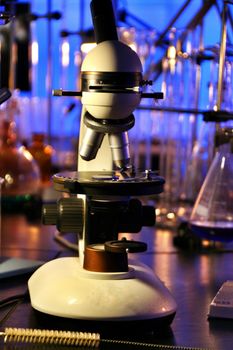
(21,174)
(17,166)
(42,154)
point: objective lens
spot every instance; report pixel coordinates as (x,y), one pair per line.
(90,144)
(119,144)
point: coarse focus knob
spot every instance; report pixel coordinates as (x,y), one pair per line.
(67,215)
(136,216)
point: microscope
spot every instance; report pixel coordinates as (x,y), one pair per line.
(104,283)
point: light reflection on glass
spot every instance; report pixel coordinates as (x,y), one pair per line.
(35,53)
(65,49)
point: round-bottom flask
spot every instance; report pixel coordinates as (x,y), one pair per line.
(19,170)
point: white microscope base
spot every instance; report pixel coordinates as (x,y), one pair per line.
(63,288)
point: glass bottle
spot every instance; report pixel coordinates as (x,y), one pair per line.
(212,215)
(42,154)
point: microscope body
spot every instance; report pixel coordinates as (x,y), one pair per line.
(105,121)
(103,284)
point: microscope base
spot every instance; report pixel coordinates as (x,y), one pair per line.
(63,288)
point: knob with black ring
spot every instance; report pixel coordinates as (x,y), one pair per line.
(129,246)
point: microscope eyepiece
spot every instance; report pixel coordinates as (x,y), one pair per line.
(103,19)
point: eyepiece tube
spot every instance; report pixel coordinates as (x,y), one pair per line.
(119,144)
(90,144)
(103,19)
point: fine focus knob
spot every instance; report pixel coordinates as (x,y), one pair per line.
(49,214)
(67,215)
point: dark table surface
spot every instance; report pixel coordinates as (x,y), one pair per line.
(192,276)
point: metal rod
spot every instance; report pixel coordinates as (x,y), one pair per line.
(49,72)
(197,18)
(123,14)
(222,55)
(171,23)
(197,84)
(173,109)
(209,115)
(13,54)
(61,92)
(156,68)
(81,15)
(228,15)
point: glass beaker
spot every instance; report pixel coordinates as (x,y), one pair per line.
(212,215)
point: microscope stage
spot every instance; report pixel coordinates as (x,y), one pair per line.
(109,183)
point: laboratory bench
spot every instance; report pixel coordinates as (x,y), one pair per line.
(192,275)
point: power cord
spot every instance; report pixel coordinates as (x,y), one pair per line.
(59,237)
(12,301)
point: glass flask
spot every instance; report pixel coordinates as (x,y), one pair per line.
(196,170)
(18,169)
(180,85)
(1,183)
(212,215)
(42,154)
(202,154)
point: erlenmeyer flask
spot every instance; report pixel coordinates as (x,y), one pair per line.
(212,215)
(202,154)
(196,170)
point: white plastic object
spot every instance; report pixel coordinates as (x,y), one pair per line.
(63,288)
(111,56)
(222,304)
